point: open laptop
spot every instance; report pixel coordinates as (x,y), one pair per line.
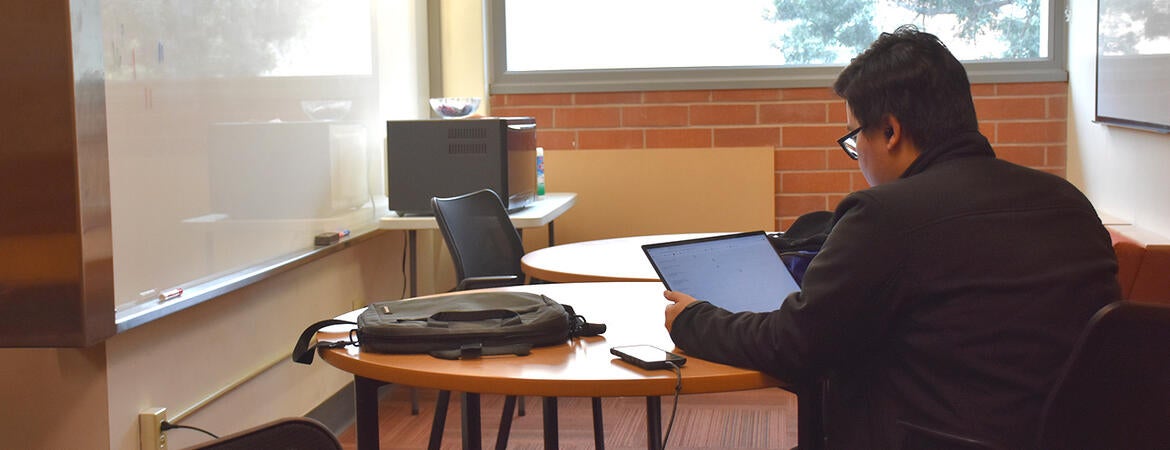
(737,272)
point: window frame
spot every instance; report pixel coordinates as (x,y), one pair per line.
(501,81)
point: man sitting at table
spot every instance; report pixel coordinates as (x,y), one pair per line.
(949,294)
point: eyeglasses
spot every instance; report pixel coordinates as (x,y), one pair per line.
(849,143)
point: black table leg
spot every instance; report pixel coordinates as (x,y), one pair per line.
(551,440)
(472,434)
(440,421)
(598,425)
(366,410)
(506,422)
(654,422)
(551,241)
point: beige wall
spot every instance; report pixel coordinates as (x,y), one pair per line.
(1123,171)
(90,398)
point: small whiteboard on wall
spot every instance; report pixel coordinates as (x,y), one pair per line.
(1133,64)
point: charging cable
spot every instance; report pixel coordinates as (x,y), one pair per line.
(170,426)
(674,408)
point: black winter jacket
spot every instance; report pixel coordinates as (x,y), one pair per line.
(948,299)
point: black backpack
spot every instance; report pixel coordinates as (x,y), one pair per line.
(800,243)
(463,325)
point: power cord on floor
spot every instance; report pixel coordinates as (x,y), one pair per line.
(170,426)
(674,408)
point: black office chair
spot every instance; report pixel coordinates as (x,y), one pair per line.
(292,433)
(486,250)
(1115,390)
(485,247)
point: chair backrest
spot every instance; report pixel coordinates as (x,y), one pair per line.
(1115,390)
(292,433)
(482,240)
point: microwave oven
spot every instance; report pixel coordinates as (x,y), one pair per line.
(450,157)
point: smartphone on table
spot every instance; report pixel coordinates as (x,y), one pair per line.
(648,357)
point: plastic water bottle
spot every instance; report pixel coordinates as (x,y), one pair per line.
(539,173)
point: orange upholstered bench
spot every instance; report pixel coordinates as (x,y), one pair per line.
(1143,264)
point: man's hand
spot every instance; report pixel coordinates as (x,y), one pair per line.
(680,302)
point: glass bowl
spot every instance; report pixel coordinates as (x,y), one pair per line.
(455,107)
(326,110)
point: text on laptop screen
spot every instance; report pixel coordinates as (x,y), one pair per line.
(740,272)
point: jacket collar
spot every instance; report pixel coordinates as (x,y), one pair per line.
(963,145)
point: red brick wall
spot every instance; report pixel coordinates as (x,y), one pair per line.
(1024,121)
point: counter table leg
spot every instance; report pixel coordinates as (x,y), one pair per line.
(412,249)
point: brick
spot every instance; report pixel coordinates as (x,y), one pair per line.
(537,99)
(606,139)
(785,113)
(795,205)
(857,181)
(556,139)
(837,113)
(1001,108)
(747,137)
(800,160)
(982,90)
(654,116)
(813,136)
(1024,155)
(1030,132)
(1057,156)
(741,95)
(834,200)
(678,138)
(723,114)
(543,115)
(988,130)
(1031,88)
(607,98)
(1058,107)
(809,94)
(588,117)
(814,182)
(676,97)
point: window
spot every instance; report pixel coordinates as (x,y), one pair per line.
(610,45)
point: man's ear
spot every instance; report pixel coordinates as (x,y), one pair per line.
(892,130)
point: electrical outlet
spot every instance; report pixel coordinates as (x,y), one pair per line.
(150,435)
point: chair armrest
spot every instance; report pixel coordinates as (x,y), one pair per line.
(488,281)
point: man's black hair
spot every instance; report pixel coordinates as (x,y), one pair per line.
(912,76)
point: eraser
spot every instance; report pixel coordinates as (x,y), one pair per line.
(327,239)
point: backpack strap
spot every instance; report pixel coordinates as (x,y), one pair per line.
(303,352)
(579,327)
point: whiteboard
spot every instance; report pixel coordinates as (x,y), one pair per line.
(237,131)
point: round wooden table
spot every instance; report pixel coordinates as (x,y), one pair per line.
(584,367)
(617,259)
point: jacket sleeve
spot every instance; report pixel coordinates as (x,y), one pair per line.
(842,309)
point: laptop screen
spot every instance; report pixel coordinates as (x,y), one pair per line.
(737,272)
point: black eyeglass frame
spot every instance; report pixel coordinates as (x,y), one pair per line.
(848,143)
